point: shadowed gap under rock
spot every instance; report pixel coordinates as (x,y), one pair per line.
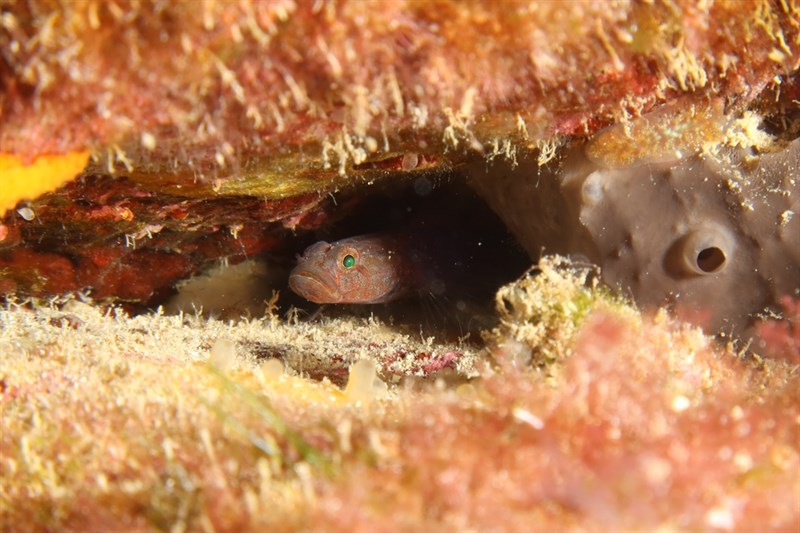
(471,252)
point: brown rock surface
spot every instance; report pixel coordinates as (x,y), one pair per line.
(216,128)
(230,100)
(711,230)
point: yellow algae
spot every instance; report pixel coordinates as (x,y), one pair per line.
(45,174)
(671,133)
(305,390)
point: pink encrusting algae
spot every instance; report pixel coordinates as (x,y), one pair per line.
(650,428)
(642,423)
(781,338)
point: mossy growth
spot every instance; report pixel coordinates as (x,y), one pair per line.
(541,313)
(155,422)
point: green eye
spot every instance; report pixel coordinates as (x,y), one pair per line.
(349,261)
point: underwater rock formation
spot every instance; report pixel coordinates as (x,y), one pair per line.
(670,217)
(212,129)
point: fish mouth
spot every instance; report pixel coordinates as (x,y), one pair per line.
(313,287)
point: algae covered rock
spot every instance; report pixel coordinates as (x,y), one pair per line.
(678,208)
(214,128)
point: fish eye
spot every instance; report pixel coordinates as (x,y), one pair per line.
(348,261)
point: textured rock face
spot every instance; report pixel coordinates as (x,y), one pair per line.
(259,110)
(237,90)
(714,234)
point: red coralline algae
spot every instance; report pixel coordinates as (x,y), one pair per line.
(649,430)
(129,243)
(643,424)
(212,85)
(276,101)
(781,338)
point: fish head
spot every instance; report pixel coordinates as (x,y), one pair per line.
(363,269)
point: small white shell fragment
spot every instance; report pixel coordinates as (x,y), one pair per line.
(363,384)
(148,141)
(680,403)
(720,518)
(526,417)
(222,354)
(272,369)
(26,213)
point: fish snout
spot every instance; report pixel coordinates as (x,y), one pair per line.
(313,288)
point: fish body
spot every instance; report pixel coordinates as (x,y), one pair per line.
(366,269)
(428,256)
(421,262)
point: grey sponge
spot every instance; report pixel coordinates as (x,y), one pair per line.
(715,234)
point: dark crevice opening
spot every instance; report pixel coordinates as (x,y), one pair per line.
(475,252)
